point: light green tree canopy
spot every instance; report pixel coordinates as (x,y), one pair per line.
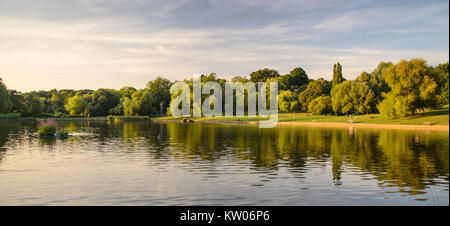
(320,106)
(353,97)
(412,87)
(314,89)
(287,101)
(76,106)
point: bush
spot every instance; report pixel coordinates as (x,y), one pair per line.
(47,127)
(320,106)
(110,118)
(47,130)
(58,115)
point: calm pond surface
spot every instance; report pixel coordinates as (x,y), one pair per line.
(144,163)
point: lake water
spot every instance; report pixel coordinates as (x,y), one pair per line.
(144,163)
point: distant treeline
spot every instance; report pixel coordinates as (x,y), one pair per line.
(391,89)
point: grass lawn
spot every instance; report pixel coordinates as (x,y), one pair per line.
(433,117)
(9,115)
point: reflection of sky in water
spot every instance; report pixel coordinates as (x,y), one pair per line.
(200,164)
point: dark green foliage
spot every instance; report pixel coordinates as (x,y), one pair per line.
(141,103)
(117,110)
(103,100)
(5,101)
(295,81)
(17,102)
(160,90)
(337,74)
(32,104)
(263,74)
(441,73)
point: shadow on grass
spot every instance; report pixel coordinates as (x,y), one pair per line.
(434,113)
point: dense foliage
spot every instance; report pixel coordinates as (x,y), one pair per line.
(5,100)
(315,89)
(395,90)
(320,106)
(413,87)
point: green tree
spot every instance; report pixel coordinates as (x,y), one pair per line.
(59,99)
(127,91)
(17,102)
(296,80)
(242,79)
(375,81)
(5,101)
(353,97)
(46,105)
(128,107)
(341,100)
(320,106)
(442,79)
(287,101)
(160,90)
(363,98)
(263,74)
(314,89)
(142,103)
(77,105)
(117,110)
(412,87)
(337,74)
(32,104)
(103,100)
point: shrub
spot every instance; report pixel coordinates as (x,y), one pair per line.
(320,105)
(59,114)
(110,118)
(47,127)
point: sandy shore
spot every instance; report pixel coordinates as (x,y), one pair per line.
(370,125)
(328,124)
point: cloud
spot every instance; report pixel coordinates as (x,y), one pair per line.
(117,44)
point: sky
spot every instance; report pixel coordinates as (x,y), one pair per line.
(91,44)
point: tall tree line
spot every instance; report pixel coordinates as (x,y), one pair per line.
(394,90)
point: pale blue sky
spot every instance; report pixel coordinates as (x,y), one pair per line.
(110,44)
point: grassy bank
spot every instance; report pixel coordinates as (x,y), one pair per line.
(9,116)
(433,117)
(102,118)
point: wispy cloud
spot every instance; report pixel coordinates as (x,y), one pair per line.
(102,44)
